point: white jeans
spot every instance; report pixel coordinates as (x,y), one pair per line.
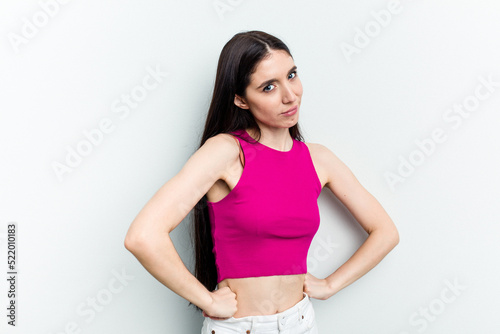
(299,319)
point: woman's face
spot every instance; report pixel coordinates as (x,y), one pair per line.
(274,89)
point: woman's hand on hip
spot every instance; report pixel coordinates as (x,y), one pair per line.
(316,288)
(223,304)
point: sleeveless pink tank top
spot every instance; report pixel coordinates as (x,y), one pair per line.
(265,225)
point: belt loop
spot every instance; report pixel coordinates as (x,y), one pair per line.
(303,307)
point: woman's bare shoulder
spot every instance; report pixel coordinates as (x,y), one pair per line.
(221,142)
(318,151)
(323,157)
(222,146)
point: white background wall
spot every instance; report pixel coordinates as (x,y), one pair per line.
(369,98)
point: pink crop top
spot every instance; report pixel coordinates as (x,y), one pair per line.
(265,225)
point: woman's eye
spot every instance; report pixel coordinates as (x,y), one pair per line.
(292,75)
(268,88)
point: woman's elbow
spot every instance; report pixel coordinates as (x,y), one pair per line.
(129,243)
(133,242)
(144,240)
(389,237)
(394,237)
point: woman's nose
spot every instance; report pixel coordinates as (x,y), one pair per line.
(289,95)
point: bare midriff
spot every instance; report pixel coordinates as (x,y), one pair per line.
(265,295)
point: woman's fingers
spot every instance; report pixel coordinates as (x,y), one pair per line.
(224,304)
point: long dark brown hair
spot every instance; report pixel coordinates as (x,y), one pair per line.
(238,60)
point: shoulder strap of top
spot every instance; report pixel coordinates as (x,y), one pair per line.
(242,157)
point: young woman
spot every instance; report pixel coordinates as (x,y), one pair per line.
(254,184)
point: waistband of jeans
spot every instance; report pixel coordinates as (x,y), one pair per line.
(288,316)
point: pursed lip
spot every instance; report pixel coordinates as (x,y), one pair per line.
(291,109)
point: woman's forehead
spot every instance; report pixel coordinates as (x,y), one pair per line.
(276,65)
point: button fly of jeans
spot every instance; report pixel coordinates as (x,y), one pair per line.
(282,321)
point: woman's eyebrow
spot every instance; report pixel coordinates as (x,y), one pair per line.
(270,81)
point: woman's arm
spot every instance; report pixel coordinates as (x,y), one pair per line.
(383,235)
(148,236)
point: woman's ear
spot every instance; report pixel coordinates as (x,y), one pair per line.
(240,102)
